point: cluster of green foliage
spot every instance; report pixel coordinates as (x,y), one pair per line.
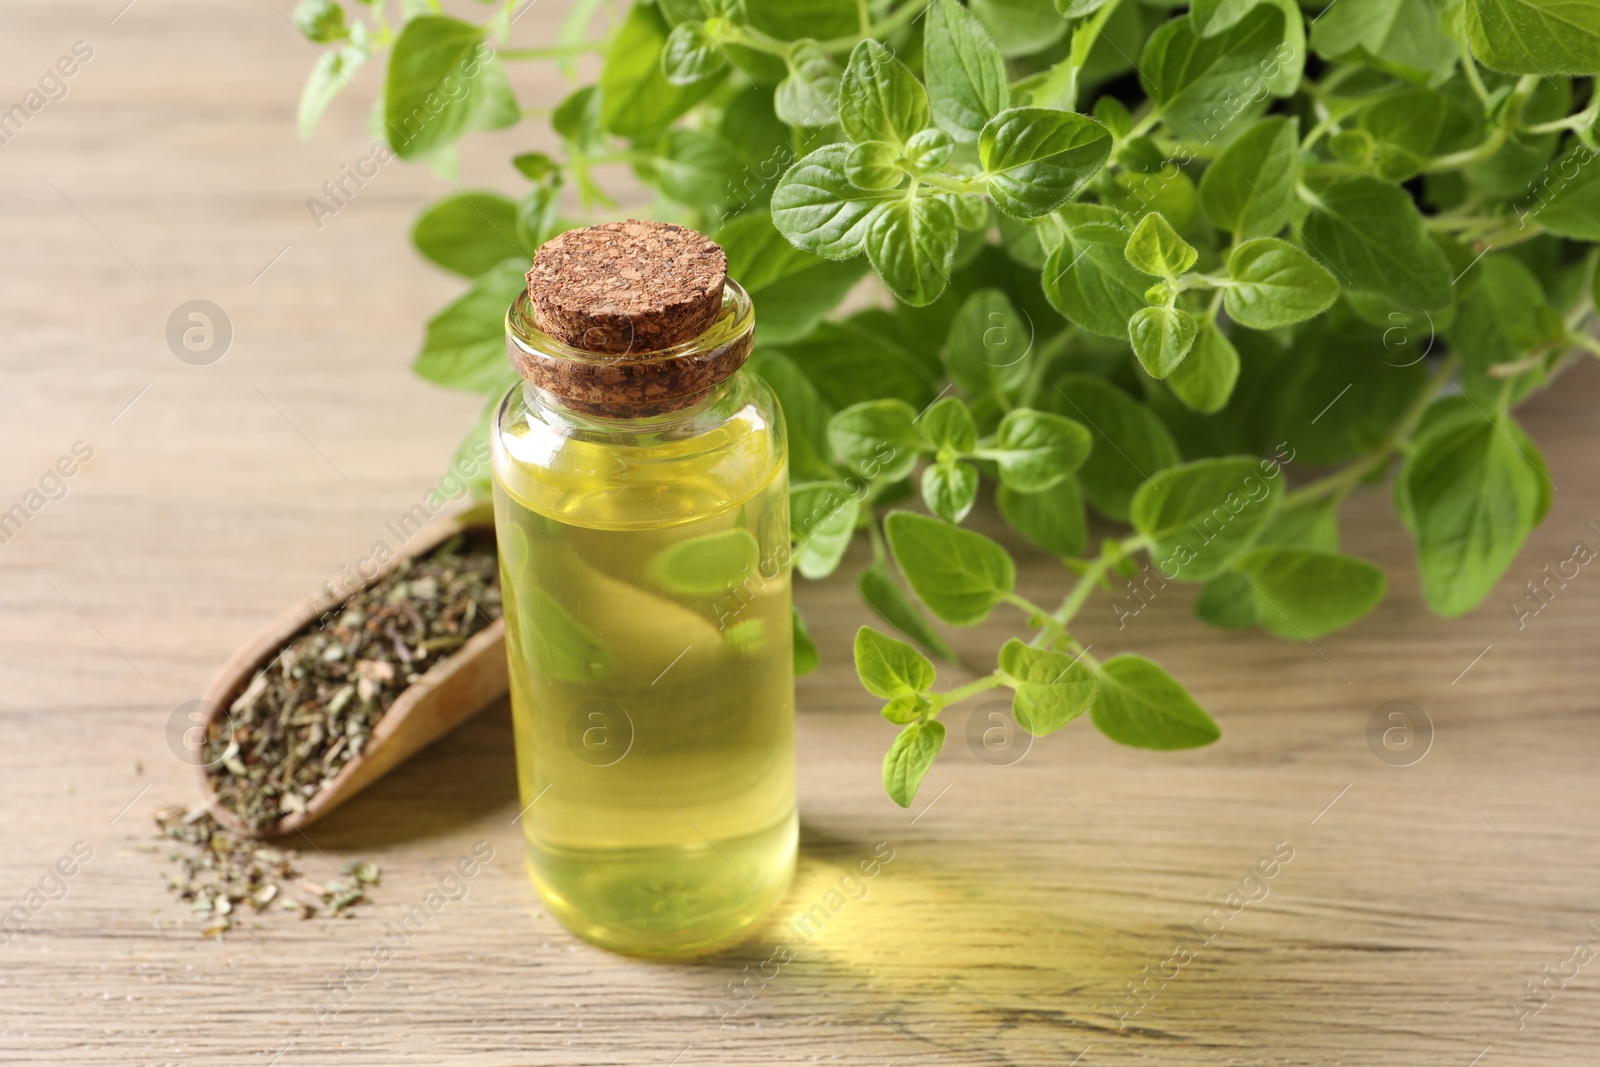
(1144,252)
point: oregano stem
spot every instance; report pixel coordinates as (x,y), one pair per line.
(1331,117)
(1536,359)
(1145,124)
(1050,629)
(1080,593)
(1469,65)
(1333,80)
(555,51)
(1042,362)
(1580,121)
(1465,158)
(1083,39)
(1505,238)
(1092,575)
(1448,223)
(875,535)
(954,183)
(971,689)
(903,17)
(757,41)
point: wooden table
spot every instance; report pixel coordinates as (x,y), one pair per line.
(1020,902)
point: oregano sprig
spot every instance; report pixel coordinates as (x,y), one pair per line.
(1149,303)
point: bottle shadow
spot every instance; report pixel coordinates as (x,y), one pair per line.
(464,777)
(961,947)
(973,947)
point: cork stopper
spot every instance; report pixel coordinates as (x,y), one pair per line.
(627,286)
(629,319)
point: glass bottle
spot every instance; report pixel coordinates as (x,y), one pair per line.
(644,555)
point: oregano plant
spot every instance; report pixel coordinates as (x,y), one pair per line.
(1135,258)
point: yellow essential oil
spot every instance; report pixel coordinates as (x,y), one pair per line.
(644,567)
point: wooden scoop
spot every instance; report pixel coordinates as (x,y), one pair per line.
(450,692)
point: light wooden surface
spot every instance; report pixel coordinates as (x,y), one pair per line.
(1020,901)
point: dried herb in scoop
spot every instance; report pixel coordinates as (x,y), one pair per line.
(314,707)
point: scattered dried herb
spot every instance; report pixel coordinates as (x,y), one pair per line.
(221,874)
(313,708)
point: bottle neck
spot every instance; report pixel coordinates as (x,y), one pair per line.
(690,410)
(632,386)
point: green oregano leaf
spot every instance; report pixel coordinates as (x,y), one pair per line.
(330,74)
(890,668)
(950,489)
(444,80)
(1090,281)
(1249,187)
(1161,338)
(930,149)
(1504,315)
(791,19)
(1204,380)
(636,99)
(948,425)
(1400,37)
(1036,449)
(465,343)
(1140,704)
(1372,237)
(905,709)
(1131,445)
(1228,602)
(1569,203)
(320,21)
(1034,159)
(874,166)
(805,651)
(912,245)
(1200,515)
(1052,519)
(1282,75)
(909,758)
(1412,120)
(1303,593)
(794,289)
(880,436)
(1196,80)
(822,519)
(1473,492)
(987,349)
(706,565)
(690,55)
(1019,27)
(577,117)
(1276,284)
(958,574)
(809,95)
(1051,689)
(1155,248)
(468,233)
(820,210)
(1544,37)
(884,595)
(695,168)
(967,84)
(880,99)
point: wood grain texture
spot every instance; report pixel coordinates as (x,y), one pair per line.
(1020,901)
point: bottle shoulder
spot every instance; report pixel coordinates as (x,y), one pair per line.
(644,472)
